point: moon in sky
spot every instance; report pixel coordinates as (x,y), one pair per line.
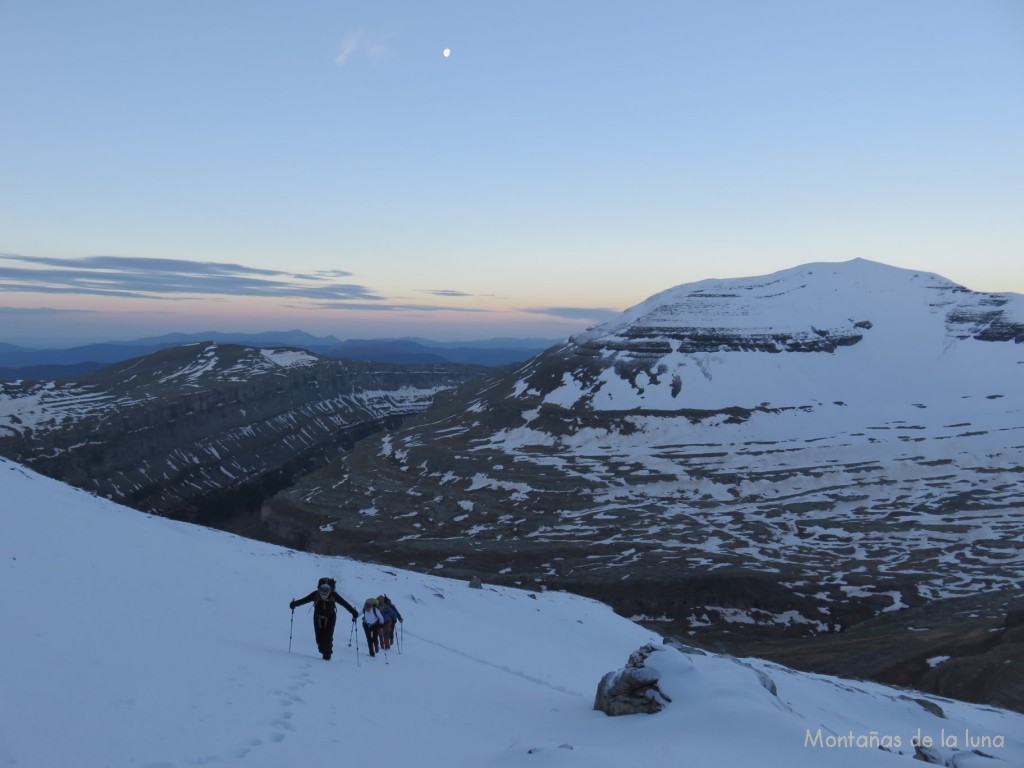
(447,52)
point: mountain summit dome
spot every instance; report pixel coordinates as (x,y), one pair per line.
(880,324)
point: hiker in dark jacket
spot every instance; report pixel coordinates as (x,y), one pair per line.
(325,614)
(372,623)
(391,615)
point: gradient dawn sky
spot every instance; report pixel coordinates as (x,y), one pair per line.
(248,166)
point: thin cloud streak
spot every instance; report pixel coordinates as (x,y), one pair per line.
(79,291)
(42,311)
(349,46)
(358,42)
(166,279)
(123,263)
(386,307)
(576,313)
(447,292)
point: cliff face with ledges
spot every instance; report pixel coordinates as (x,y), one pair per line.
(182,431)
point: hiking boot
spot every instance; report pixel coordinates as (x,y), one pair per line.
(327,657)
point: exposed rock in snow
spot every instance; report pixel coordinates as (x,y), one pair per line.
(633,689)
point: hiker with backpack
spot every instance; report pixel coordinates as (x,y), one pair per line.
(325,613)
(372,624)
(391,615)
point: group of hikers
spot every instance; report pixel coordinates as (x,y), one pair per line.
(379,618)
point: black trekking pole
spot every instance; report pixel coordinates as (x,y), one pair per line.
(291,627)
(358,664)
(350,631)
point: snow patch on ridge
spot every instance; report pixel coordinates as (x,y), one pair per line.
(288,358)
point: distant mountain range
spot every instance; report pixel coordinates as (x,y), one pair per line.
(48,364)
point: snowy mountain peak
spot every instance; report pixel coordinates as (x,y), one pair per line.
(672,351)
(806,302)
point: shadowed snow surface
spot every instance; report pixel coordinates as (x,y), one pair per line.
(131,640)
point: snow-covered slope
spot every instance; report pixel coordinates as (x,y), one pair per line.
(131,640)
(893,336)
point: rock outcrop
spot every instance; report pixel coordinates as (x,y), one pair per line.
(633,689)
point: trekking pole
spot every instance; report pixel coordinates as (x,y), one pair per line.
(350,631)
(358,664)
(290,628)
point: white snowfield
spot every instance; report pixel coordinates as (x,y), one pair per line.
(916,343)
(288,358)
(131,640)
